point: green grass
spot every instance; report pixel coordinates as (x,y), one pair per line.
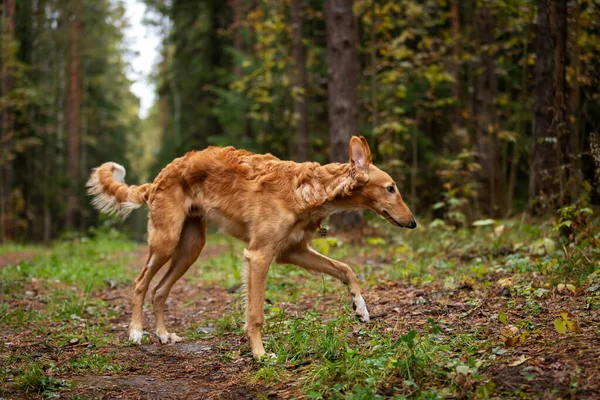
(20,247)
(53,297)
(309,324)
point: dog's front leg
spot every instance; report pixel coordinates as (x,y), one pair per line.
(257,264)
(311,260)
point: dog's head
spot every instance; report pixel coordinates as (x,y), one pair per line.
(380,193)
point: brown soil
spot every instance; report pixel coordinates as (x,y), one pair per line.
(16,257)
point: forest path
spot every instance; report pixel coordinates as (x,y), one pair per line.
(192,369)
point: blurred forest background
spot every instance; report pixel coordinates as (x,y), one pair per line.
(477,108)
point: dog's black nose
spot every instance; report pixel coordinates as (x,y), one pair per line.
(412,224)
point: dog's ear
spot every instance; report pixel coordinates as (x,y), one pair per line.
(366,144)
(360,155)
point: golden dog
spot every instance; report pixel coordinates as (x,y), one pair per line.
(274,206)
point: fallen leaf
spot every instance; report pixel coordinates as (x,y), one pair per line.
(505,282)
(510,335)
(571,288)
(460,380)
(502,318)
(510,342)
(560,326)
(462,369)
(518,361)
(499,230)
(572,325)
(484,222)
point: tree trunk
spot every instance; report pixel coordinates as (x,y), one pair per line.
(7,134)
(373,39)
(73,116)
(342,101)
(236,9)
(300,85)
(514,165)
(575,100)
(486,119)
(557,12)
(545,163)
(455,23)
(163,93)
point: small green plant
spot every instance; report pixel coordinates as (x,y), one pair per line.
(34,380)
(572,220)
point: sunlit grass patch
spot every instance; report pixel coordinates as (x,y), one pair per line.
(93,362)
(53,296)
(87,263)
(20,247)
(335,357)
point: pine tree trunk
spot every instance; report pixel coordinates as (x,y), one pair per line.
(373,40)
(575,100)
(73,117)
(544,166)
(486,119)
(300,85)
(456,50)
(163,93)
(342,81)
(7,134)
(557,12)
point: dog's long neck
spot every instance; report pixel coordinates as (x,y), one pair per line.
(327,189)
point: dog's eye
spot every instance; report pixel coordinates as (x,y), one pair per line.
(391,189)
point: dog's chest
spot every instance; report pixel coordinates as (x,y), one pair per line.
(228,225)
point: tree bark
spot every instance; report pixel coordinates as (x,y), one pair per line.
(300,85)
(373,39)
(545,160)
(163,93)
(342,100)
(486,119)
(73,117)
(558,29)
(7,134)
(456,50)
(236,8)
(575,100)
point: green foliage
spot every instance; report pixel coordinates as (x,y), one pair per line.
(34,380)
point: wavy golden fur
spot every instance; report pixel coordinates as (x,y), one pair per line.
(274,206)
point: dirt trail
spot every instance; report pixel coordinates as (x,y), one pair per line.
(15,257)
(188,370)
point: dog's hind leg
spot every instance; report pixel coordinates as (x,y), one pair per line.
(164,230)
(155,261)
(311,260)
(191,242)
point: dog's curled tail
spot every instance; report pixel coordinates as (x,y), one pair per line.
(111,194)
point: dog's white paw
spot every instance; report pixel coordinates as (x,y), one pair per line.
(136,335)
(168,338)
(360,308)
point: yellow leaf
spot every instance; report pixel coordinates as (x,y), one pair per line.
(565,315)
(571,288)
(518,361)
(572,325)
(505,282)
(560,326)
(499,230)
(502,318)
